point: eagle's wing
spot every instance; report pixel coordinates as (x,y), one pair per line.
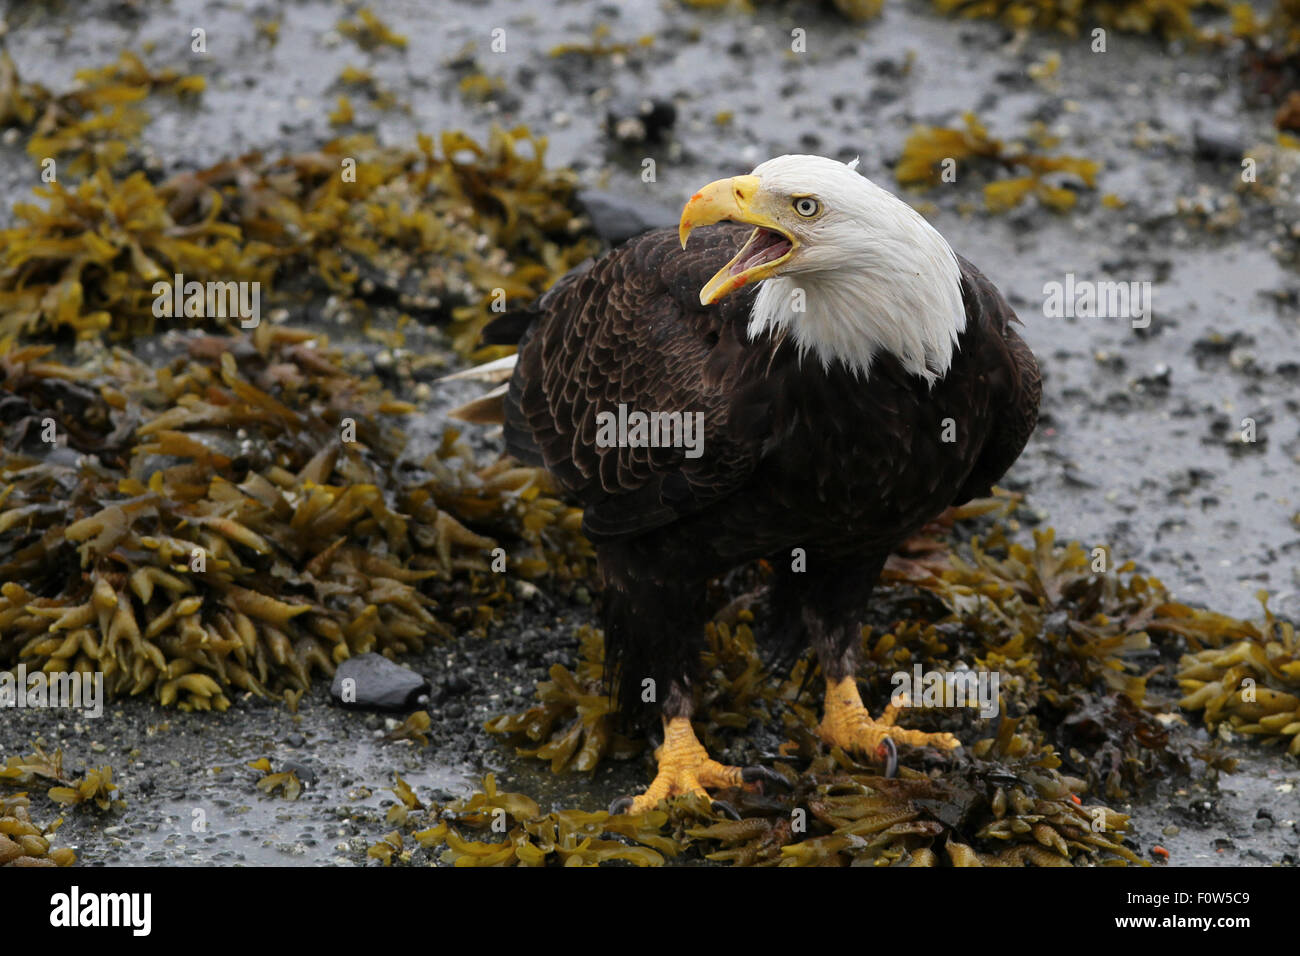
(630,330)
(1012,373)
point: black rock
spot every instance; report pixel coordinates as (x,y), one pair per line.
(1217,143)
(306,774)
(379,684)
(1157,379)
(455,684)
(643,120)
(618,218)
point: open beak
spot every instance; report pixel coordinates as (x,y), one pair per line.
(739,199)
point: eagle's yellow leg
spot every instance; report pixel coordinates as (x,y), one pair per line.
(846,723)
(684,767)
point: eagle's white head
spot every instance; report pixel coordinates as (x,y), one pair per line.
(848,269)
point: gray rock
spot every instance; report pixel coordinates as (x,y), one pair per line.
(618,218)
(380,684)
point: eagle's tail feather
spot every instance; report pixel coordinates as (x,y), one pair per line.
(489,409)
(496,371)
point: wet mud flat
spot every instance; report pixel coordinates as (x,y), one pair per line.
(1135,452)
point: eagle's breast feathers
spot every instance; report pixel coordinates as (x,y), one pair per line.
(791,446)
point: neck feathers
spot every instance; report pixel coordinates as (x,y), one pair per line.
(902,295)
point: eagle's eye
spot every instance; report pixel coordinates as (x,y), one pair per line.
(806,206)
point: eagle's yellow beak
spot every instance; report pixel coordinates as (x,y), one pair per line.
(739,199)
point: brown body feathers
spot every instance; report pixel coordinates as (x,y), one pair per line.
(793,456)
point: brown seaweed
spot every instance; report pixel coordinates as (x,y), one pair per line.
(517,833)
(22,842)
(46,770)
(928,148)
(1167,19)
(227,538)
(363,219)
(1070,643)
(93,125)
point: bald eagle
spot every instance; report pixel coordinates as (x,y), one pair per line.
(850,376)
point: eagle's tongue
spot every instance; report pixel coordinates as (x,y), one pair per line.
(764,246)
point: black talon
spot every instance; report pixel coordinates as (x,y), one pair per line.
(620,805)
(764,774)
(890,757)
(726,809)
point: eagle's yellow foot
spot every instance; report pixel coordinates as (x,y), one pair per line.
(686,767)
(847,724)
